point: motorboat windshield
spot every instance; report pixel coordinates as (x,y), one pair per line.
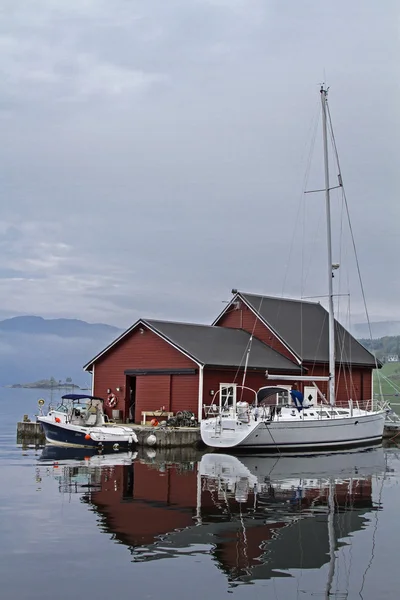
(78,397)
(81,409)
(79,402)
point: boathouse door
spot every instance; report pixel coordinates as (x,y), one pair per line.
(131,398)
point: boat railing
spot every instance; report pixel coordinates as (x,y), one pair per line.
(219,406)
(392,417)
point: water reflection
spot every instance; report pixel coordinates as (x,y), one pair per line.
(257,516)
(270,515)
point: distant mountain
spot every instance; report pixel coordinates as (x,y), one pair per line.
(379,329)
(61,327)
(33,348)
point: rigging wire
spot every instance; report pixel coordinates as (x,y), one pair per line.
(352,237)
(360,593)
(313,128)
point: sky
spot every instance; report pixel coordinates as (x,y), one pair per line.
(154,154)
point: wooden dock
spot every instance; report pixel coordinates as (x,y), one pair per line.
(30,433)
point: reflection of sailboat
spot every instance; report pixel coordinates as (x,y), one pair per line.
(330,488)
(287,470)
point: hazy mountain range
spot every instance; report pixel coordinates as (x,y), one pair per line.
(33,348)
(379,329)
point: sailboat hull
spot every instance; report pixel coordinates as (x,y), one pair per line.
(350,432)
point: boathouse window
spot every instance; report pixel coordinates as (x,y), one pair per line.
(228,394)
(283,397)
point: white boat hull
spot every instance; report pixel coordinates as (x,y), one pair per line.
(67,434)
(300,435)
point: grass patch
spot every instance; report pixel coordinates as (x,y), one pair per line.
(389,377)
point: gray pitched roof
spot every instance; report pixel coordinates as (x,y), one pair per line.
(221,346)
(303,326)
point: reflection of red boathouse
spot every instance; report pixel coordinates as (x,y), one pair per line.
(141,504)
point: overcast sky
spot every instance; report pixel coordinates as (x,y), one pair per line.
(154,153)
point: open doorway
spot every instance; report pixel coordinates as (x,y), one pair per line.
(128,483)
(131,398)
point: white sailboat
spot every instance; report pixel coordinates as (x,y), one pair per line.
(272,422)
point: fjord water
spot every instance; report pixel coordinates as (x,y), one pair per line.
(195,525)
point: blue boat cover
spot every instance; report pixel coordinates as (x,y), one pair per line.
(80,397)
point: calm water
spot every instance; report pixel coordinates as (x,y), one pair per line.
(194,525)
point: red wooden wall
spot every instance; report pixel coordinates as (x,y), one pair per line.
(244,318)
(142,351)
(356,385)
(184,393)
(171,392)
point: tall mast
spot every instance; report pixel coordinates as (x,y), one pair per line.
(324,100)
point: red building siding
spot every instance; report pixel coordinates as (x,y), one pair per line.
(354,384)
(139,351)
(184,393)
(244,318)
(153,391)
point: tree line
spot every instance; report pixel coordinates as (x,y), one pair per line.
(382,347)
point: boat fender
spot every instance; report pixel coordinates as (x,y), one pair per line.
(112,401)
(151,440)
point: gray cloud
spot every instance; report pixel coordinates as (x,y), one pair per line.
(154,153)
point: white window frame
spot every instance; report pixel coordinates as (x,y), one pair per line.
(308,389)
(223,397)
(288,388)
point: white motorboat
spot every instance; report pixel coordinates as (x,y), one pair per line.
(79,421)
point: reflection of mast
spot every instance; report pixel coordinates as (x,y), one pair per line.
(331,538)
(198,495)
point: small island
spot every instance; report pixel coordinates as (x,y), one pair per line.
(47,384)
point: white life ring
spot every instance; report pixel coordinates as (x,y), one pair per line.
(112,401)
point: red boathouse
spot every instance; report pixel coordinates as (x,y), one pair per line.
(173,366)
